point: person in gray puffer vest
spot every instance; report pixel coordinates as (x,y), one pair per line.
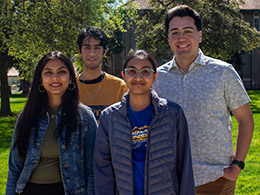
(142,144)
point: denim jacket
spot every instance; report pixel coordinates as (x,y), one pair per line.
(76,165)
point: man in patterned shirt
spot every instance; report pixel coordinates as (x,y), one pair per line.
(208,90)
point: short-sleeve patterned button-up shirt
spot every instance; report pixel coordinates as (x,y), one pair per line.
(208,92)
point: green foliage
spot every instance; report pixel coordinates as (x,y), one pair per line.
(33,28)
(30,29)
(77,62)
(151,34)
(223,22)
(224,30)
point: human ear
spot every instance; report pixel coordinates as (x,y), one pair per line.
(200,36)
(122,74)
(104,52)
(154,77)
(79,51)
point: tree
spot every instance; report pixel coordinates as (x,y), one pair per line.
(32,28)
(6,26)
(224,30)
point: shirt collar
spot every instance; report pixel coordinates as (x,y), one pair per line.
(200,60)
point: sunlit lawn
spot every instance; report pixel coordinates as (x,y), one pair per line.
(249,179)
(255,100)
(6,132)
(248,182)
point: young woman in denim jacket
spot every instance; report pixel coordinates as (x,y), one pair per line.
(52,147)
(142,145)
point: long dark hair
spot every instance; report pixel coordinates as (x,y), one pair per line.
(37,105)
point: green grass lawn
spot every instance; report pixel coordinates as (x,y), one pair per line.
(255,100)
(6,132)
(17,102)
(248,182)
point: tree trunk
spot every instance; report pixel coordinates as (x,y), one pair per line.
(5,102)
(24,86)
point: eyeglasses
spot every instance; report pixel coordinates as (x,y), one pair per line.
(185,33)
(132,72)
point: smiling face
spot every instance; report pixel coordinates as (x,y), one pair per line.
(184,38)
(92,53)
(55,78)
(139,85)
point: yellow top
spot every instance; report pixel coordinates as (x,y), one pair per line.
(102,94)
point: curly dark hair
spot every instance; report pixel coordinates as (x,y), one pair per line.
(95,33)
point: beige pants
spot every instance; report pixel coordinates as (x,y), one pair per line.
(222,186)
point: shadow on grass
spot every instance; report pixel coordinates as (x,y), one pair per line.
(6,131)
(18,95)
(17,103)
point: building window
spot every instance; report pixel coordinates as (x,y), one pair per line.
(257,21)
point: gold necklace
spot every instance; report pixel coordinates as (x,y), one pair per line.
(99,87)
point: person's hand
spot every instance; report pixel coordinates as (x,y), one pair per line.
(232,172)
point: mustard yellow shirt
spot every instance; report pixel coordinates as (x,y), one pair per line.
(100,95)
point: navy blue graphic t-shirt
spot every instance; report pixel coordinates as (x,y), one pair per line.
(140,122)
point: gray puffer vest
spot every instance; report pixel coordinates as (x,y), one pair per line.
(168,165)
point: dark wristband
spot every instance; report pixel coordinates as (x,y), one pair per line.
(241,164)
